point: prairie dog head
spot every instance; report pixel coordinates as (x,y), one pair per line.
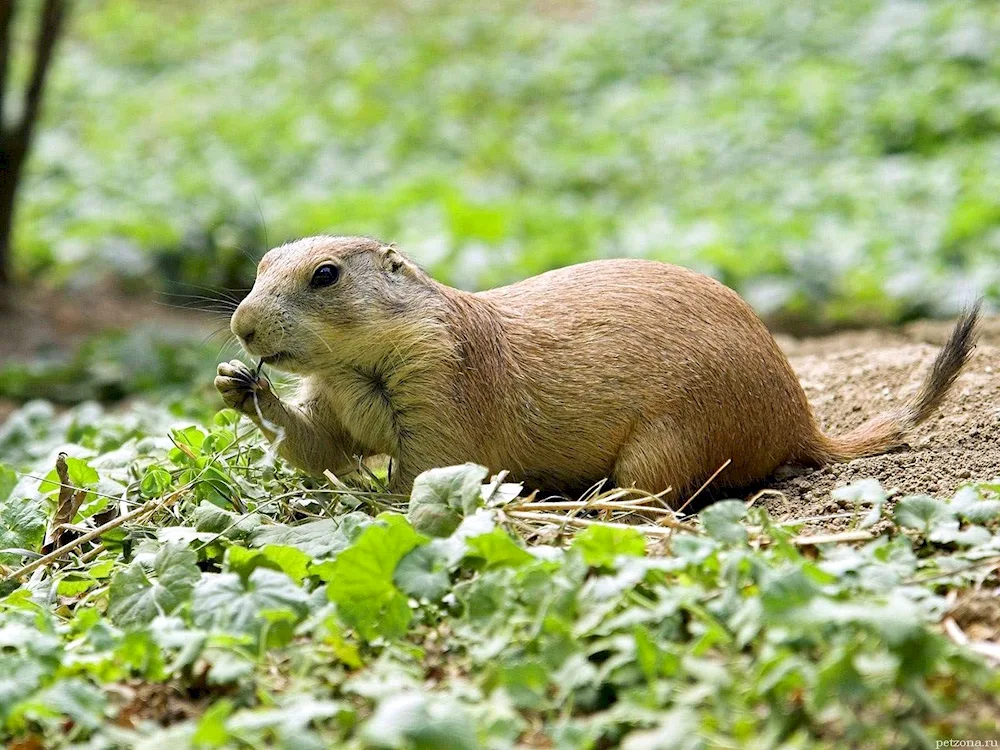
(325,301)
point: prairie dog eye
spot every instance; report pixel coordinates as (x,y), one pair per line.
(327,274)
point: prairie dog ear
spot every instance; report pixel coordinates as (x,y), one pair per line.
(393,261)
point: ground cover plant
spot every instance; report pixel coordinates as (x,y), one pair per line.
(165,581)
(242,605)
(833,162)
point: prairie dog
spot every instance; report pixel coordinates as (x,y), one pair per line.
(646,373)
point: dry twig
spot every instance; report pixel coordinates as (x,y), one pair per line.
(146,509)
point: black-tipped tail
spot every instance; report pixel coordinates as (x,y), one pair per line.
(888,431)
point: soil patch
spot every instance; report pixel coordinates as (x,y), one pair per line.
(42,323)
(850,377)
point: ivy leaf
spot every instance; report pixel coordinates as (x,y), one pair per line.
(867,491)
(722,521)
(72,698)
(80,473)
(286,721)
(361,578)
(8,480)
(969,504)
(498,550)
(136,597)
(441,497)
(423,573)
(784,591)
(602,545)
(920,512)
(289,560)
(433,520)
(22,526)
(228,668)
(948,532)
(693,549)
(862,492)
(677,730)
(210,731)
(411,720)
(224,602)
(318,539)
(155,482)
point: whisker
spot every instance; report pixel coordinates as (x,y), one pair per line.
(230,340)
(314,333)
(263,222)
(225,312)
(211,335)
(221,299)
(228,293)
(248,255)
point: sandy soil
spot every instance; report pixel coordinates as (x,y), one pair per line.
(850,377)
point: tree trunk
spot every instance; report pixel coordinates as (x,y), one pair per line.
(15,139)
(11,161)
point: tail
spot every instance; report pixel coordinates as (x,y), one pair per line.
(888,431)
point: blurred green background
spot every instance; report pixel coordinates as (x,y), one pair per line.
(836,163)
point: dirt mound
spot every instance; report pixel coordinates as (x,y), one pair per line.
(850,377)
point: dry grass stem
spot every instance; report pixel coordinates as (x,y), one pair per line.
(703,486)
(144,510)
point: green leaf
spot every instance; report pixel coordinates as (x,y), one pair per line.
(866,491)
(646,653)
(602,545)
(970,505)
(72,698)
(498,550)
(22,526)
(361,578)
(526,680)
(786,590)
(224,602)
(155,482)
(228,668)
(423,574)
(318,539)
(676,730)
(722,521)
(410,721)
(440,498)
(693,549)
(210,517)
(80,474)
(137,596)
(434,520)
(861,492)
(290,560)
(211,728)
(287,720)
(948,532)
(8,480)
(920,512)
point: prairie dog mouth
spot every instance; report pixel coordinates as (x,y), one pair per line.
(276,358)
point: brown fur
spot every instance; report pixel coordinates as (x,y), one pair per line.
(647,373)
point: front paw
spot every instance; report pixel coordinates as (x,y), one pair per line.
(241,388)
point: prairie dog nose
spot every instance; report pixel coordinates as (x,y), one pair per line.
(242,327)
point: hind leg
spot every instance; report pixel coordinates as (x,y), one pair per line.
(656,457)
